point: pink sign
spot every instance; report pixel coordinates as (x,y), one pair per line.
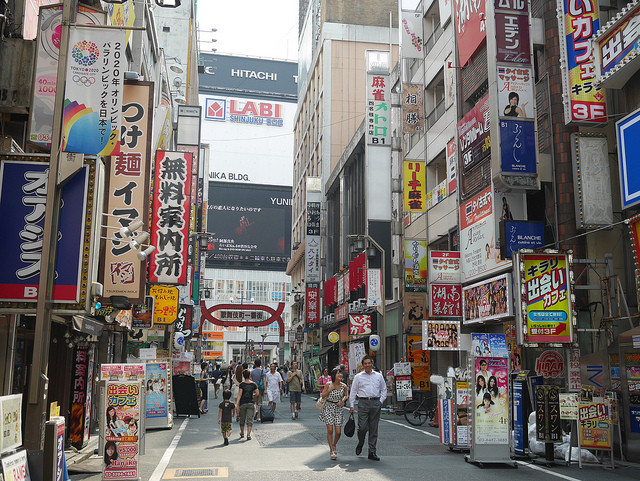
(446,300)
(470,27)
(473,134)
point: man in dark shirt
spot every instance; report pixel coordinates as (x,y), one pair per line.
(215,375)
(258,374)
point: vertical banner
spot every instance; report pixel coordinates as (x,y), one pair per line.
(378,106)
(312,239)
(93,91)
(412,36)
(415,265)
(374,287)
(445,410)
(474,141)
(412,108)
(452,166)
(79,395)
(356,352)
(548,311)
(415,186)
(312,305)
(491,424)
(170,221)
(127,194)
(420,359)
(46,69)
(462,413)
(121,445)
(519,432)
(585,100)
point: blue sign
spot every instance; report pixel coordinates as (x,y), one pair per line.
(519,234)
(518,147)
(634,419)
(447,428)
(518,419)
(23,195)
(628,132)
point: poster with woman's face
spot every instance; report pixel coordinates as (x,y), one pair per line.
(491,401)
(515,92)
(121,430)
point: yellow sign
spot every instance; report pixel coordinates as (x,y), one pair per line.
(594,425)
(415,186)
(166,304)
(420,364)
(333,337)
(54,410)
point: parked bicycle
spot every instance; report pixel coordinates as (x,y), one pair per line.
(417,412)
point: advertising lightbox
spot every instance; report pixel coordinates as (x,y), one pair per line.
(252,225)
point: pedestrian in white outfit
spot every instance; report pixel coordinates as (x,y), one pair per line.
(274,386)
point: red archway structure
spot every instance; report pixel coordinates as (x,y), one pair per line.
(276,315)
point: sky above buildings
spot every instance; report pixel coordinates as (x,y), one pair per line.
(256,28)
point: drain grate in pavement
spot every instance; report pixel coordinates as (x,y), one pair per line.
(182,473)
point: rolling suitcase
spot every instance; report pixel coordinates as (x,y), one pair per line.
(266,414)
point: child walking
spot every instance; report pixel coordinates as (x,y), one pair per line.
(225,415)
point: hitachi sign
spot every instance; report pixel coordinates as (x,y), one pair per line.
(258,109)
(254,74)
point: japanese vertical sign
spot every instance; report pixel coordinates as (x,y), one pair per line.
(166,304)
(412,108)
(170,222)
(312,305)
(547,294)
(127,193)
(446,300)
(452,166)
(470,27)
(121,430)
(415,186)
(82,372)
(617,44)
(415,265)
(548,424)
(491,401)
(578,22)
(411,35)
(312,239)
(374,287)
(93,91)
(359,324)
(420,359)
(23,195)
(473,134)
(46,71)
(378,108)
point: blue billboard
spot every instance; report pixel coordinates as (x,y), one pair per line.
(518,147)
(628,133)
(520,234)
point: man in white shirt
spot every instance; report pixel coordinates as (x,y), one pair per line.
(371,390)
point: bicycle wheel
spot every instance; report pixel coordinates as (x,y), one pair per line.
(415,413)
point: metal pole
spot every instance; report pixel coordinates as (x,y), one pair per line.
(383,340)
(38,381)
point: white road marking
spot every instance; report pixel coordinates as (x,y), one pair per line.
(548,471)
(166,457)
(412,428)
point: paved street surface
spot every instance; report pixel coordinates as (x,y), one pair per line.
(297,450)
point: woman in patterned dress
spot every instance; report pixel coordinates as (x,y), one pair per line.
(335,393)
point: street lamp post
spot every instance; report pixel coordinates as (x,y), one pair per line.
(246,328)
(383,340)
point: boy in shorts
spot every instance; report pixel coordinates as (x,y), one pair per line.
(225,415)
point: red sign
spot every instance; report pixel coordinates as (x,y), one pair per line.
(312,306)
(473,134)
(170,225)
(446,300)
(357,272)
(342,312)
(550,364)
(359,324)
(470,27)
(512,38)
(330,291)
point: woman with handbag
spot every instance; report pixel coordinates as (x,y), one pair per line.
(334,396)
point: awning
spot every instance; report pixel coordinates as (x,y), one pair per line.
(324,350)
(297,256)
(87,325)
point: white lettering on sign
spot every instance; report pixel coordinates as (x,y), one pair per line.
(253,74)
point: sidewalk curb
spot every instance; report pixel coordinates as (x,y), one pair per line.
(73,457)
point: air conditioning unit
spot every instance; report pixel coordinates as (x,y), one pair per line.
(354,306)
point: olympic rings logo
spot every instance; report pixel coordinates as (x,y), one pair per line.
(85,53)
(81,80)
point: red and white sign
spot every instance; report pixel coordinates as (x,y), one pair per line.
(356,272)
(470,27)
(341,312)
(452,166)
(550,364)
(359,324)
(444,267)
(312,306)
(170,225)
(446,300)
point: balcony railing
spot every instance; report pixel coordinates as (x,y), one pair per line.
(435,114)
(433,38)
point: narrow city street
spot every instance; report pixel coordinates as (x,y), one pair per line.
(297,450)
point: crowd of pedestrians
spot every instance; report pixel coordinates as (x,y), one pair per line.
(244,388)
